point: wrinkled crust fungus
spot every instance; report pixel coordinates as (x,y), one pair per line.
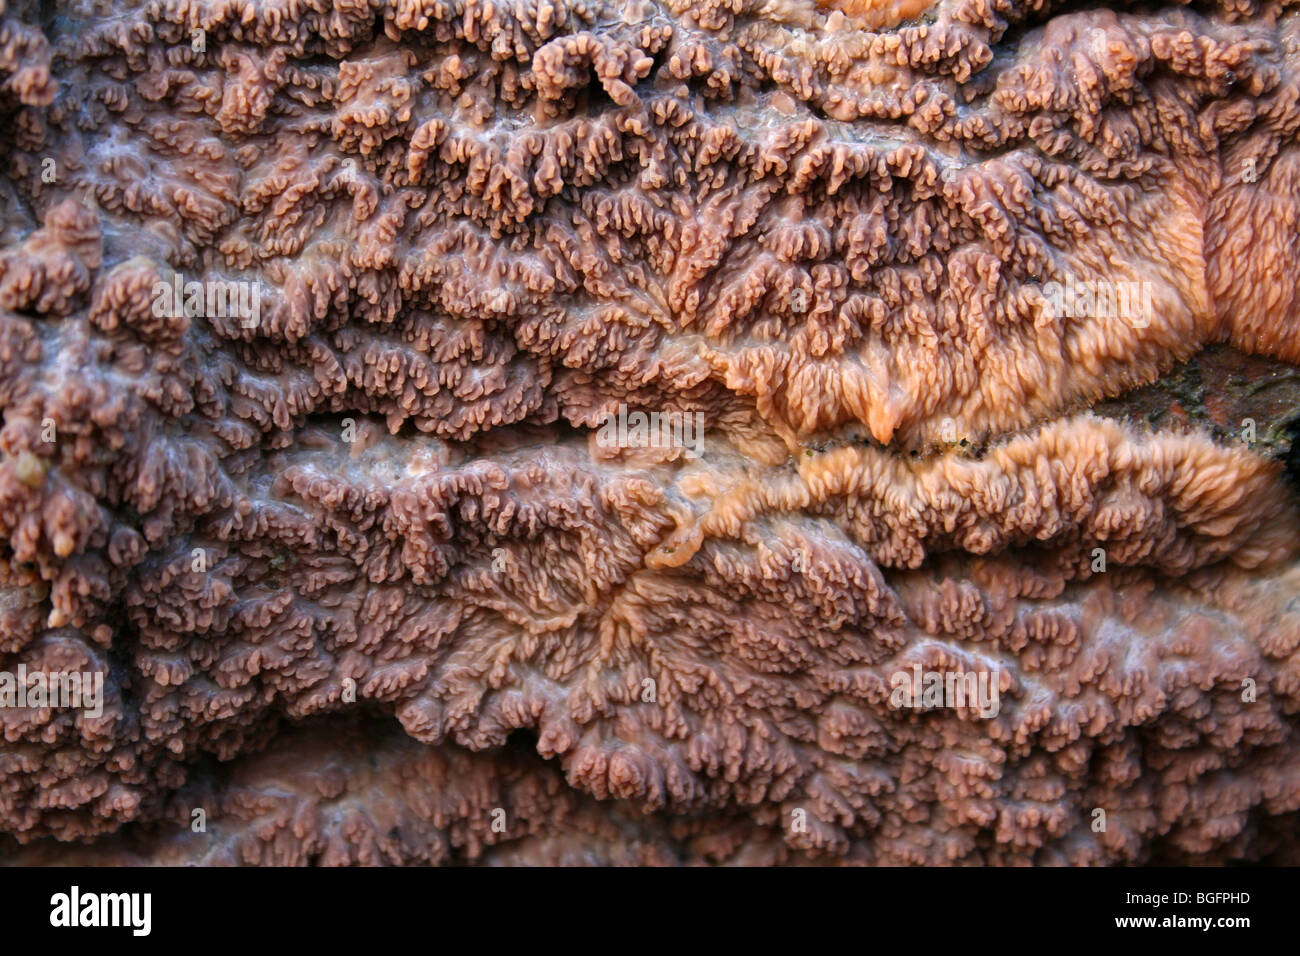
(313,315)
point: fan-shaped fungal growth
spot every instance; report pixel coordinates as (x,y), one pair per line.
(564,431)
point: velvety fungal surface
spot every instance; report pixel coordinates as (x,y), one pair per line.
(976,322)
